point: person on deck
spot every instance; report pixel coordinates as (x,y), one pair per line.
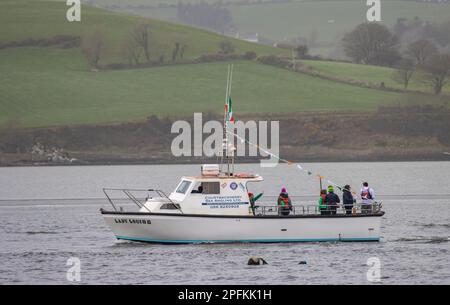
(347,199)
(253,200)
(322,205)
(284,203)
(332,200)
(367,197)
(199,190)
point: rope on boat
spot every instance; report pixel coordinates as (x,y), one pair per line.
(290,163)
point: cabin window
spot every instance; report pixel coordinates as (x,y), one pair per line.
(183,187)
(197,189)
(169,206)
(211,187)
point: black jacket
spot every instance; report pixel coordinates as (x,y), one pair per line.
(332,199)
(347,198)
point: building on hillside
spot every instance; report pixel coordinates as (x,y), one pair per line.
(246,37)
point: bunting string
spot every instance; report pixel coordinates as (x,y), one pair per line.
(288,162)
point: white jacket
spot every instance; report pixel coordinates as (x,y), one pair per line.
(370,191)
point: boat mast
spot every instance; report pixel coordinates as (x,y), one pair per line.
(227,154)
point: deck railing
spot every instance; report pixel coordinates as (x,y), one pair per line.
(135,196)
(138,198)
(357,208)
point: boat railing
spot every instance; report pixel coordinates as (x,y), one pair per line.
(358,208)
(137,196)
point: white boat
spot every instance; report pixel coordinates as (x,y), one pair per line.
(214,207)
(221,213)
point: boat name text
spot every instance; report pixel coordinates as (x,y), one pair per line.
(133,221)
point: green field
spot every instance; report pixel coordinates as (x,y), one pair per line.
(330,19)
(54,87)
(162,2)
(373,75)
(48,86)
(22,19)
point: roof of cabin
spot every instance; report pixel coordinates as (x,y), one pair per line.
(239,176)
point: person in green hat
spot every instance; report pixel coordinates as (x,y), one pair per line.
(332,200)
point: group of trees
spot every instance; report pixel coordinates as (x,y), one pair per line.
(375,44)
(140,41)
(137,44)
(138,47)
(213,16)
(437,71)
(409,30)
(371,43)
(424,57)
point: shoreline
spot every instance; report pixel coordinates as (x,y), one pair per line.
(164,161)
(403,134)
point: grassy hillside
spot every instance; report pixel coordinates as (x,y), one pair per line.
(53,86)
(330,19)
(371,74)
(163,2)
(49,86)
(22,19)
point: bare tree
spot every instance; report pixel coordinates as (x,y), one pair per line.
(183,50)
(422,50)
(371,43)
(226,47)
(301,51)
(313,37)
(91,47)
(404,72)
(132,52)
(141,35)
(437,71)
(176,51)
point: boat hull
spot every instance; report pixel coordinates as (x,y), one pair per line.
(180,228)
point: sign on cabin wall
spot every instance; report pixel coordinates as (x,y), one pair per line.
(223,202)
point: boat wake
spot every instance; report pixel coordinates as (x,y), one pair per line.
(435,225)
(425,240)
(39,232)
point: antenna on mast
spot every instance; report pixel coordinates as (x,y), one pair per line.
(227,153)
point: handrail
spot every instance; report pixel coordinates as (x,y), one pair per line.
(263,210)
(136,201)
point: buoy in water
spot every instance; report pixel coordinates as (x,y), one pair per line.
(256,261)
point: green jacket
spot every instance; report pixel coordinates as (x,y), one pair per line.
(281,202)
(322,205)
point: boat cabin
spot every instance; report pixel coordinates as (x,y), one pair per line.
(210,193)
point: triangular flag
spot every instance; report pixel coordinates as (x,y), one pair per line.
(229,110)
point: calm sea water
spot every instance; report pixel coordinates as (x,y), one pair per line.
(49,214)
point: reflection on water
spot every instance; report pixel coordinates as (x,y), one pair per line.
(50,214)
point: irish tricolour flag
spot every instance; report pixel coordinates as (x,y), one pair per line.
(229,110)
